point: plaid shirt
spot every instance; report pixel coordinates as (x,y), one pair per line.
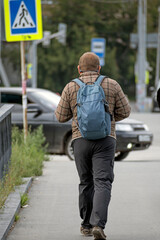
(118,103)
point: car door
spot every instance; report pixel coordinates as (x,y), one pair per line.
(38,116)
(53,130)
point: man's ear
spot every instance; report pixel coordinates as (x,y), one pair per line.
(79,71)
(99,68)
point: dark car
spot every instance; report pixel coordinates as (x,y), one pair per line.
(131,134)
(154,95)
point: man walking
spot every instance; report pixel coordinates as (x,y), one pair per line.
(94,158)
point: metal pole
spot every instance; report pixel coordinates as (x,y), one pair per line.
(24,84)
(34,64)
(2,69)
(0,38)
(141,86)
(0,28)
(139,61)
(140,42)
(144,24)
(158,52)
(144,41)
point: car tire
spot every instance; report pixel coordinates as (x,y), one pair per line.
(119,156)
(69,149)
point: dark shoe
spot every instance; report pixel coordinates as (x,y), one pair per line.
(86,231)
(98,233)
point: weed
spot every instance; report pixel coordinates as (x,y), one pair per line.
(26,160)
(24,199)
(16,217)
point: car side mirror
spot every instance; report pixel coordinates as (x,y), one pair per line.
(34,108)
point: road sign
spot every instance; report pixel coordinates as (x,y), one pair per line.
(23,20)
(98,46)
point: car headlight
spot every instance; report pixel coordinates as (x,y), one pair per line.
(123,127)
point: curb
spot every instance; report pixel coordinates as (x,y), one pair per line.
(11,208)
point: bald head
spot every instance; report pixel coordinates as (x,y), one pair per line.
(89,62)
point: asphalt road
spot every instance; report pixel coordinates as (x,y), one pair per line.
(134,212)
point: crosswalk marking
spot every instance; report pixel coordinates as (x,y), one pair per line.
(23,18)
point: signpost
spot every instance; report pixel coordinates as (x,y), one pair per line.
(98,46)
(23,22)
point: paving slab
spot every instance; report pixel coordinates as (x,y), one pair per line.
(134,212)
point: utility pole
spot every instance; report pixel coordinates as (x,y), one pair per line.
(141,85)
(158,52)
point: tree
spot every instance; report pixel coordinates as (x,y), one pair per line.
(85,20)
(57,64)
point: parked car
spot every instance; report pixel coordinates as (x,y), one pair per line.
(153,91)
(131,134)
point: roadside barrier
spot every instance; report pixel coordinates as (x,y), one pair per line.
(5,138)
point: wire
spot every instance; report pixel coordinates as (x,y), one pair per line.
(50,2)
(113,1)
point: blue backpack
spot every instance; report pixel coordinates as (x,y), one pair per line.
(94,118)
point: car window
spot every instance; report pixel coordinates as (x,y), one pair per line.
(11,98)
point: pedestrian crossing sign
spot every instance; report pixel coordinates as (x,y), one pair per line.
(23,20)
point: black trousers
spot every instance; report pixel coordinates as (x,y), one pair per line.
(94,162)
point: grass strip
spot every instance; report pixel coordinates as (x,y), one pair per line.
(26,160)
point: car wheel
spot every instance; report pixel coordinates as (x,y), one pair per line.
(119,156)
(69,149)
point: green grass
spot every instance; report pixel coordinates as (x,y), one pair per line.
(16,218)
(24,199)
(26,160)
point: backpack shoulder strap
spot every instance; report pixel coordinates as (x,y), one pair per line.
(99,79)
(78,81)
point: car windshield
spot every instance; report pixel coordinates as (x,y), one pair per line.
(45,98)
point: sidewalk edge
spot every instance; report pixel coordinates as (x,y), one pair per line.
(12,207)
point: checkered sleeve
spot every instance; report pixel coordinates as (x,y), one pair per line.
(122,108)
(63,112)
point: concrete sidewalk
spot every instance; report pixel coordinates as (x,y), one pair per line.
(53,214)
(12,207)
(53,206)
